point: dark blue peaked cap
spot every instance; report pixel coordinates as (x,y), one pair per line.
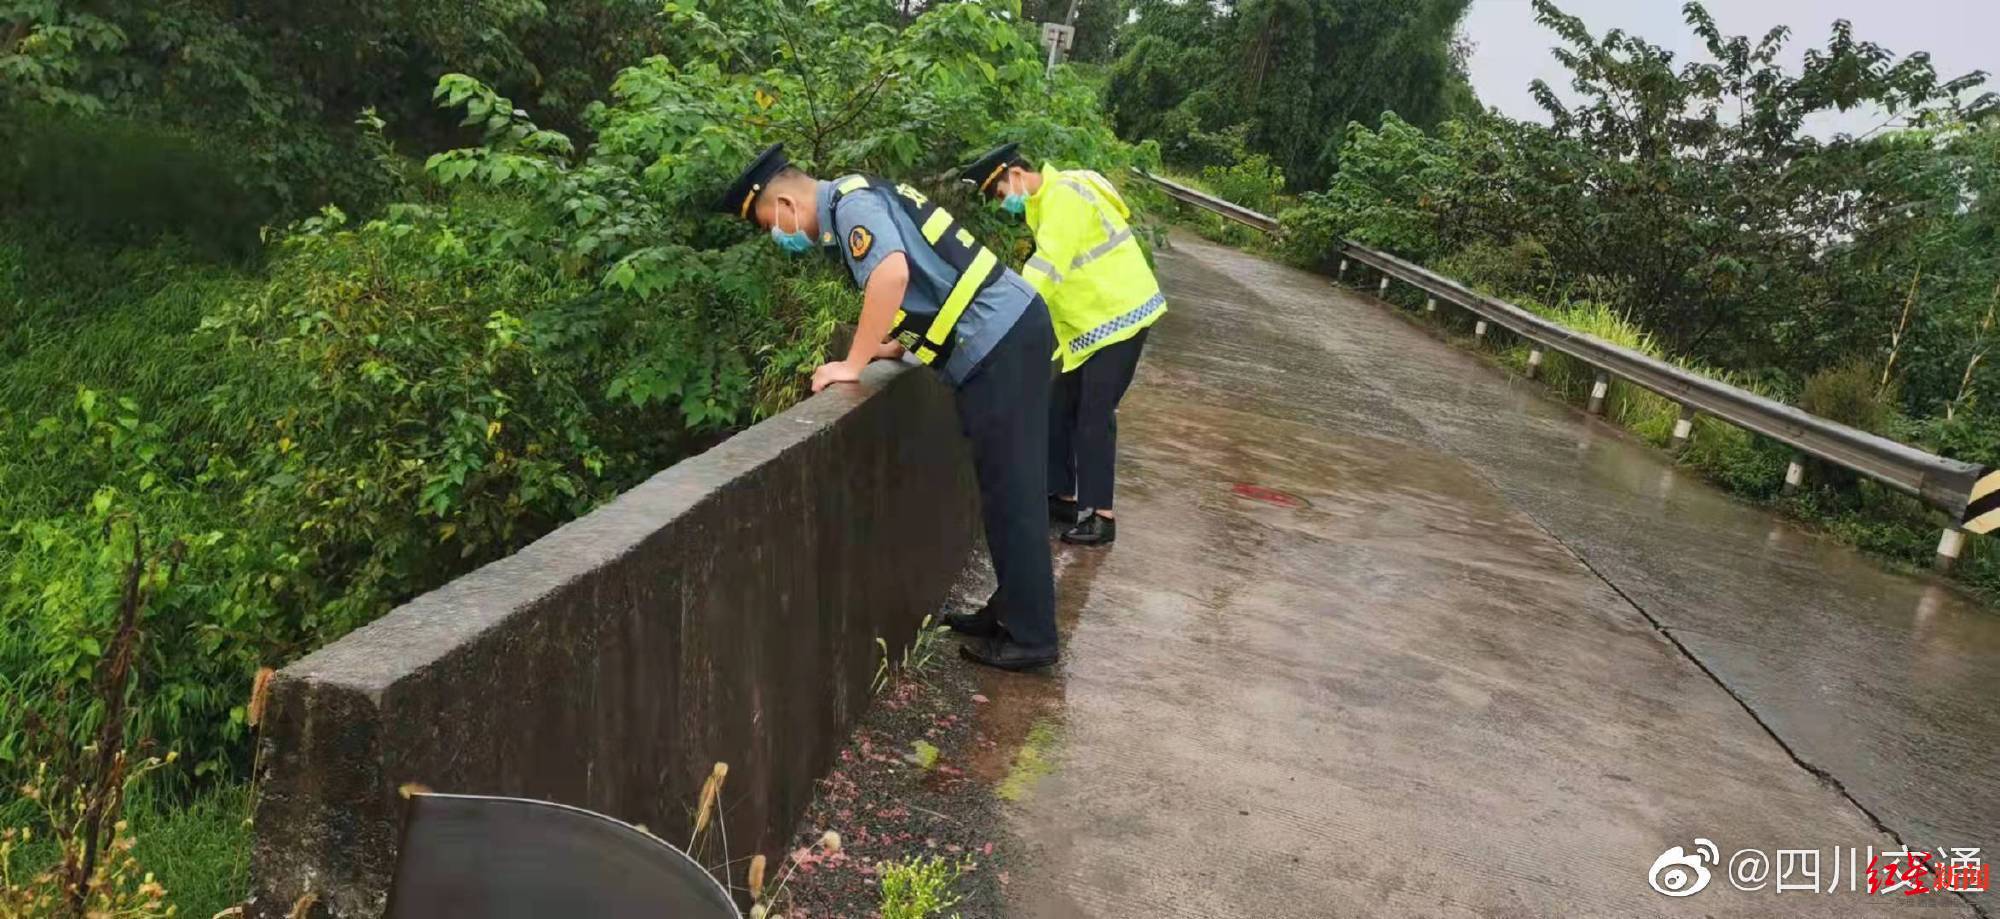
(987,168)
(742,193)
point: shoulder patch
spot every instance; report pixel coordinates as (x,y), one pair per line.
(859,242)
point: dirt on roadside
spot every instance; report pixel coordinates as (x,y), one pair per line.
(900,789)
(929,773)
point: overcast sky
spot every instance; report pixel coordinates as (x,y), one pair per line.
(1961,36)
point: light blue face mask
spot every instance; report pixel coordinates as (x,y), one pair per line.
(794,243)
(1015,202)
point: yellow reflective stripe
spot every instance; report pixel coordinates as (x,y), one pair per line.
(925,352)
(850,184)
(934,227)
(968,284)
(1987,484)
(965,238)
(1983,524)
(1983,489)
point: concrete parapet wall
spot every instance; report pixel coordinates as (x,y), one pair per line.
(725,610)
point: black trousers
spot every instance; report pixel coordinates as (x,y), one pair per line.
(1002,408)
(1083,423)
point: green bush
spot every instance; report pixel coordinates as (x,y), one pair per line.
(280,86)
(1851,393)
(407,399)
(120,181)
(1398,189)
(920,888)
(1971,434)
(1251,181)
(384,403)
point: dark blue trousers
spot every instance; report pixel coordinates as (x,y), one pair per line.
(1083,423)
(1003,410)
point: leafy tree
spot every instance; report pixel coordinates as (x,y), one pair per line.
(1710,202)
(281,85)
(1287,70)
(1691,195)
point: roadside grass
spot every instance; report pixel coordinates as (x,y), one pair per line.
(198,848)
(923,652)
(128,328)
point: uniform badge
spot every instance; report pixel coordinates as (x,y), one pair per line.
(859,241)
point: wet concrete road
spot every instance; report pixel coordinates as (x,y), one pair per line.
(1493,662)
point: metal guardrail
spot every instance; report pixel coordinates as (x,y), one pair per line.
(1946,484)
(1201,199)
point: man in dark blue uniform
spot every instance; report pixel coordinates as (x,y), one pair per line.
(931,289)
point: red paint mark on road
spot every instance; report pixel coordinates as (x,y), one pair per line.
(1270,496)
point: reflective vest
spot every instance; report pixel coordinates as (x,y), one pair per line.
(1088,266)
(929,337)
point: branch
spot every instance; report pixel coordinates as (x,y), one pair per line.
(860,101)
(805,81)
(1894,121)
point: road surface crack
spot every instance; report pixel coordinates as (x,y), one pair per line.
(1811,768)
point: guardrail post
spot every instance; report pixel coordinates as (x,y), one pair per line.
(1949,546)
(1383,290)
(1430,304)
(1479,330)
(1598,390)
(1534,361)
(1795,473)
(1341,275)
(1683,428)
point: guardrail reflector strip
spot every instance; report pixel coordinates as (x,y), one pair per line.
(1982,507)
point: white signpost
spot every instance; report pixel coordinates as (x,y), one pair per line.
(1056,37)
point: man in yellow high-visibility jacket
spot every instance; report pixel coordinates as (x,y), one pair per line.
(1104,299)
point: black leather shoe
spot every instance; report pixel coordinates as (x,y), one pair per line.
(1062,511)
(1095,530)
(1004,654)
(983,623)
